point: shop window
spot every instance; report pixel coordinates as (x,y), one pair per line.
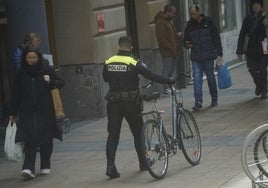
(227,15)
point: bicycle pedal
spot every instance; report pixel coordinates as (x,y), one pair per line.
(150,161)
(174,141)
(171,150)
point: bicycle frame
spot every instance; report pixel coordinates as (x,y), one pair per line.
(158,145)
(177,105)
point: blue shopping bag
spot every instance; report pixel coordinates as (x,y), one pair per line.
(224,77)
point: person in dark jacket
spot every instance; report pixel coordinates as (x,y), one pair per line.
(121,72)
(32,101)
(29,39)
(202,36)
(251,36)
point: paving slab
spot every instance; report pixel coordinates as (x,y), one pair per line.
(79,161)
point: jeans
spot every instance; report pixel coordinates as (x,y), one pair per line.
(198,69)
(168,64)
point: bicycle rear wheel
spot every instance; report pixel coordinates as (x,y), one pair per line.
(190,141)
(154,147)
(254,156)
(261,153)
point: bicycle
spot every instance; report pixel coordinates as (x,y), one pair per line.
(158,145)
(254,156)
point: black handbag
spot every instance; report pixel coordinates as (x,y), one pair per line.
(62,127)
(58,130)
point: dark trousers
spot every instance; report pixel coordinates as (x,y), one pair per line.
(30,156)
(257,67)
(116,112)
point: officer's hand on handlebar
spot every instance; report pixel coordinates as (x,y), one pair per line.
(171,81)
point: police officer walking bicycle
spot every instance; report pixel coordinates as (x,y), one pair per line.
(121,72)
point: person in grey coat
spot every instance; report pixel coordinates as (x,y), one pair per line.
(32,102)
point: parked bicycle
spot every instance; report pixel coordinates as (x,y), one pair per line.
(158,145)
(254,156)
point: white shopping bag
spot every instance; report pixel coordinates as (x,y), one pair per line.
(12,150)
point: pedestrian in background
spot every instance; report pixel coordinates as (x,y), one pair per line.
(202,37)
(29,39)
(251,36)
(31,99)
(168,41)
(121,72)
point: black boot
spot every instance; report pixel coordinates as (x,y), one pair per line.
(143,167)
(214,102)
(264,95)
(111,171)
(257,91)
(142,162)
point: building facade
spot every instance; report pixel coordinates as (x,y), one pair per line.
(81,34)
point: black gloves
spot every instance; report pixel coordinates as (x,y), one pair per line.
(171,81)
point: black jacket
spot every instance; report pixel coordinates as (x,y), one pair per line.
(32,101)
(253,27)
(121,72)
(205,39)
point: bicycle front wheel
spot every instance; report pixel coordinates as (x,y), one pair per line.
(154,147)
(189,136)
(254,156)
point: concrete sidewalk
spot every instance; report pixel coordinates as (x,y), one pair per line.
(80,161)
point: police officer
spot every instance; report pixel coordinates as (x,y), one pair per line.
(121,72)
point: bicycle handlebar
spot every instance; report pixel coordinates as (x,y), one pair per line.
(148,85)
(181,75)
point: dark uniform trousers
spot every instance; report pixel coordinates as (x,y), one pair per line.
(258,70)
(116,111)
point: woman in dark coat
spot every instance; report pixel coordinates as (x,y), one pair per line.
(32,101)
(254,32)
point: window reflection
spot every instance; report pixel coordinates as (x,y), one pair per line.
(222,12)
(227,15)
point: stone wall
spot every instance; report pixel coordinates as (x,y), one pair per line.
(82,48)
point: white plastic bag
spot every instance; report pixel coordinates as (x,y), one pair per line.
(12,150)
